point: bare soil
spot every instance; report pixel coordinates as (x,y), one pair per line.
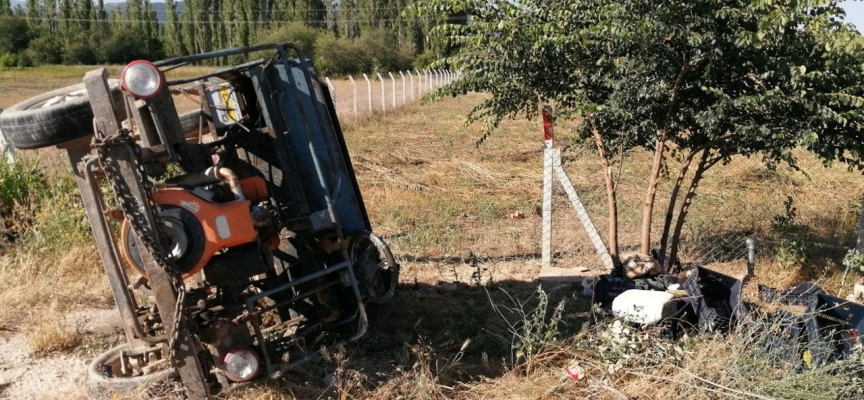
(56,375)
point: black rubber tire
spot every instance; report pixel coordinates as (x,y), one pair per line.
(100,387)
(25,127)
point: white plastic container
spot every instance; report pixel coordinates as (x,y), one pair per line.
(644,307)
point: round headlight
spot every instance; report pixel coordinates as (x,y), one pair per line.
(241,365)
(141,79)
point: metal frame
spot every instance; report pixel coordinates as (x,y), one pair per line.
(163,120)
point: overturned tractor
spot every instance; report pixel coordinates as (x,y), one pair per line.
(234,237)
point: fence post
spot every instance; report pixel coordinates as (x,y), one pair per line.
(383,98)
(548,150)
(428,74)
(331,88)
(393,84)
(354,85)
(411,78)
(6,151)
(369,90)
(404,99)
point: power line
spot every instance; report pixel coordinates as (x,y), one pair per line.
(232,22)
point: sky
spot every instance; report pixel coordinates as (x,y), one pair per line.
(854,13)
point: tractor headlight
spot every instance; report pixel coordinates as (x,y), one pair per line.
(241,365)
(141,79)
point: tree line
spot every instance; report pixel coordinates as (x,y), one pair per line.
(341,36)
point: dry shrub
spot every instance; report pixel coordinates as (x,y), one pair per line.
(50,332)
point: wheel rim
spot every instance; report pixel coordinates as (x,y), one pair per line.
(378,270)
(59,99)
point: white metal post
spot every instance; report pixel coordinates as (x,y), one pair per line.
(369,90)
(404,98)
(411,78)
(581,212)
(354,86)
(331,88)
(393,84)
(383,99)
(548,157)
(428,74)
(7,151)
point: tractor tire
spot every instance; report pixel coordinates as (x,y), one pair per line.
(98,386)
(35,123)
(54,117)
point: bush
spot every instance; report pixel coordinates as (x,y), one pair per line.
(45,50)
(79,50)
(340,56)
(296,33)
(8,60)
(15,34)
(383,49)
(125,45)
(425,59)
(21,185)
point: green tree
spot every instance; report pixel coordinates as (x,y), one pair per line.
(171,33)
(15,34)
(704,80)
(34,12)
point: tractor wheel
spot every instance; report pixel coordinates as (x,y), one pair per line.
(63,115)
(54,117)
(99,386)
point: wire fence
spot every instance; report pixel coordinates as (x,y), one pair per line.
(367,94)
(796,218)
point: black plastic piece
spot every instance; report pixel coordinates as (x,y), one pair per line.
(715,299)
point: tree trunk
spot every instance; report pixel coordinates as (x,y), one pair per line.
(611,200)
(703,165)
(673,199)
(860,245)
(648,208)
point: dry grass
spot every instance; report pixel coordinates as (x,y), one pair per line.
(50,331)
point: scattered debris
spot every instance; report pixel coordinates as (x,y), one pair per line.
(575,371)
(857,293)
(801,326)
(639,265)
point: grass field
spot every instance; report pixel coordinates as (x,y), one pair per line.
(463,221)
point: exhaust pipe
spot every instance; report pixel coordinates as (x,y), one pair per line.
(228,176)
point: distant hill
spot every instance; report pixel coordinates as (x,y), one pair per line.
(158,6)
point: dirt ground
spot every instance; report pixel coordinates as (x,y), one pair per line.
(57,375)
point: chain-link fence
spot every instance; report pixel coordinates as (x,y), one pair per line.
(797,216)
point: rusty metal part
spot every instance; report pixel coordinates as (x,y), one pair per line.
(121,165)
(94,208)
